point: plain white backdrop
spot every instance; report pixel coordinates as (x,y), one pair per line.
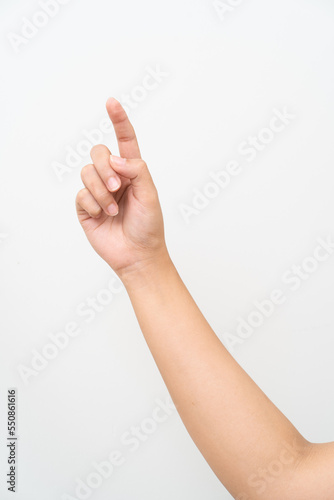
(220,69)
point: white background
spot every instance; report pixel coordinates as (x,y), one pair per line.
(226,74)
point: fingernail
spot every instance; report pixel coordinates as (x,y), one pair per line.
(118,161)
(112,209)
(113,183)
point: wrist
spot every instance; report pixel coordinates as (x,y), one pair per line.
(147,272)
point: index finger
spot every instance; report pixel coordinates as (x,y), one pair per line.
(126,137)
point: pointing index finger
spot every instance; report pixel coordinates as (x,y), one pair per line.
(126,137)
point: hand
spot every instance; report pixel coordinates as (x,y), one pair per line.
(119,207)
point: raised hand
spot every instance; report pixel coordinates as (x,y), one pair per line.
(119,207)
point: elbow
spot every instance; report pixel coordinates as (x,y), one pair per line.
(283,476)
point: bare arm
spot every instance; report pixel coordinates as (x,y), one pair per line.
(250,445)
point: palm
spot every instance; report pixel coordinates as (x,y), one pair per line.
(121,240)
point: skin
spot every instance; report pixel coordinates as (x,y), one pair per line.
(250,445)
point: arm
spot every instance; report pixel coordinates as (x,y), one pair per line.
(250,445)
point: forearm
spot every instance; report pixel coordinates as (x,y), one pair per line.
(233,423)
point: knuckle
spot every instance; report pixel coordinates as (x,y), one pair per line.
(142,165)
(82,194)
(95,211)
(97,148)
(104,197)
(86,170)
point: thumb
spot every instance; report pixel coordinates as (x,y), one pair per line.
(137,172)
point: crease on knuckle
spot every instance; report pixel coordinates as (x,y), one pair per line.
(126,137)
(104,197)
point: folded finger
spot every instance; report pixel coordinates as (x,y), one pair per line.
(85,202)
(98,189)
(100,155)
